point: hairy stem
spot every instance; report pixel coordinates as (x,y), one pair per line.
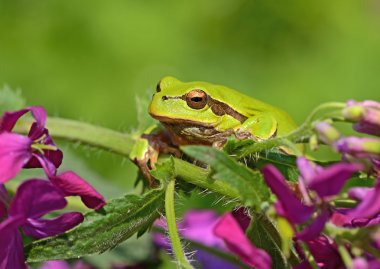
(86,133)
(175,241)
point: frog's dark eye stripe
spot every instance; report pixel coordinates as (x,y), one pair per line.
(158,86)
(196,99)
(220,109)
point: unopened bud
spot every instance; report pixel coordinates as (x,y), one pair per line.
(366,114)
(326,132)
(359,147)
(313,142)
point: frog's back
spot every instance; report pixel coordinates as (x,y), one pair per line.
(249,106)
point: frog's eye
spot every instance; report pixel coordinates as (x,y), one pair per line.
(158,86)
(196,99)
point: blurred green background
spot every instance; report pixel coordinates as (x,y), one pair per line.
(89,60)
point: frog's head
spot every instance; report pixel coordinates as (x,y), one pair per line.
(184,102)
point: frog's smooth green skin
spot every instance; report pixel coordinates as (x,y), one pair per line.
(204,113)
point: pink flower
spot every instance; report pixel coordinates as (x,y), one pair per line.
(38,150)
(325,182)
(233,235)
(34,150)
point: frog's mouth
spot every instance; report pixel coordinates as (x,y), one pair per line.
(183,122)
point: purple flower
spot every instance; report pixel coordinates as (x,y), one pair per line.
(325,254)
(325,182)
(366,213)
(230,231)
(38,150)
(18,151)
(287,205)
(369,206)
(198,225)
(366,114)
(359,147)
(33,199)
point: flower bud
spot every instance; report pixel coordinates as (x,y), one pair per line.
(366,114)
(326,132)
(359,147)
(313,142)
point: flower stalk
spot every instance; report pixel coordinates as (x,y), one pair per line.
(175,241)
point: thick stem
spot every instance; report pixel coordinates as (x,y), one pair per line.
(86,133)
(175,241)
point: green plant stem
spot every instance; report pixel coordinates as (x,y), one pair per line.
(345,255)
(214,251)
(201,177)
(345,203)
(175,241)
(86,133)
(308,255)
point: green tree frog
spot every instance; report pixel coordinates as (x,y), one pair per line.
(207,114)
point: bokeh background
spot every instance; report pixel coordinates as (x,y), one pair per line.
(89,60)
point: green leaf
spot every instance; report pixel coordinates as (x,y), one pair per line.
(165,170)
(284,162)
(264,234)
(10,99)
(101,230)
(250,184)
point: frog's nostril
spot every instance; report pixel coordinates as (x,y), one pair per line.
(164,98)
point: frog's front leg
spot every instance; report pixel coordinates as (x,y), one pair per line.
(146,150)
(259,127)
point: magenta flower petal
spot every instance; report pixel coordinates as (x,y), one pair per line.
(359,193)
(38,127)
(35,198)
(369,206)
(308,169)
(73,185)
(242,217)
(232,234)
(9,119)
(58,264)
(53,156)
(14,154)
(292,208)
(199,226)
(314,230)
(11,248)
(330,180)
(40,228)
(325,253)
